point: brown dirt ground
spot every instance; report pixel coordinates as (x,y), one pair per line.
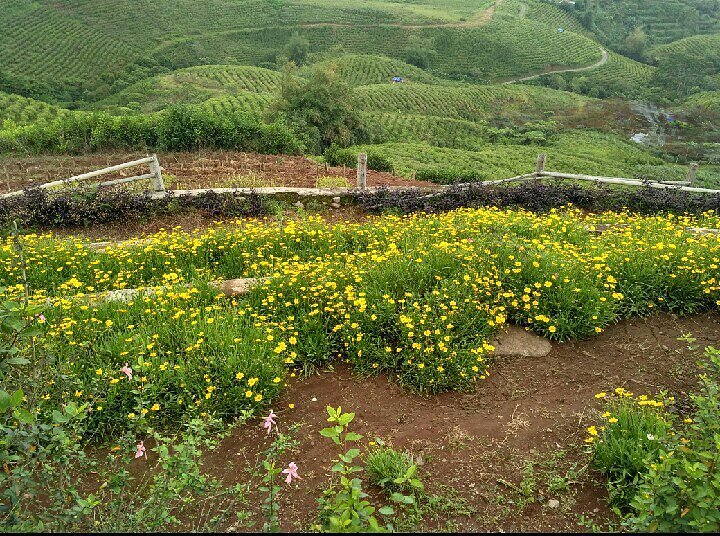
(190,170)
(474,446)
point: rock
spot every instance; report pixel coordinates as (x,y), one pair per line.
(553,503)
(516,341)
(236,287)
(299,204)
(335,205)
(336,200)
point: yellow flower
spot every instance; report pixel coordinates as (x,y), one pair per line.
(258,397)
(252,381)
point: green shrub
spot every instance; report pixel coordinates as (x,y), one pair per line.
(633,437)
(681,491)
(664,474)
(179,128)
(392,470)
(332,182)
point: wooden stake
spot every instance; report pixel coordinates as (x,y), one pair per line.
(362,171)
(156,171)
(540,164)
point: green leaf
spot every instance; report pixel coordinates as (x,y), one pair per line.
(352,436)
(346,418)
(59,418)
(4,401)
(17,361)
(386,510)
(16,398)
(24,416)
(400,498)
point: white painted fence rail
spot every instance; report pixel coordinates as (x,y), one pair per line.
(155,174)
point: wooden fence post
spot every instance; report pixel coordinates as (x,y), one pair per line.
(540,165)
(362,171)
(156,170)
(692,172)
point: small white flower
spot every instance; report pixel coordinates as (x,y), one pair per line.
(651,437)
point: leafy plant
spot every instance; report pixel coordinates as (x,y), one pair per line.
(344,506)
(680,491)
(634,436)
(392,470)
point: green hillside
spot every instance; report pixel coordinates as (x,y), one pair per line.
(663,21)
(464,102)
(620,76)
(88,49)
(195,85)
(461,62)
(574,151)
(709,101)
(23,111)
(363,70)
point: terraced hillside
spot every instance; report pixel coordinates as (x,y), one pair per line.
(664,21)
(226,56)
(576,151)
(23,111)
(619,76)
(97,47)
(195,85)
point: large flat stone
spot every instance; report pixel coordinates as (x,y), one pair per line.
(238,287)
(515,341)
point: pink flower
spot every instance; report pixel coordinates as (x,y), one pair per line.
(41,318)
(269,421)
(127,370)
(140,451)
(291,472)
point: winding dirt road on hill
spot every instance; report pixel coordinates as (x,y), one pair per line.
(603,61)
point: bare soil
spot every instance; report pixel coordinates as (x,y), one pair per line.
(477,447)
(191,170)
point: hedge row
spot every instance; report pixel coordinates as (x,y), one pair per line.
(179,128)
(543,196)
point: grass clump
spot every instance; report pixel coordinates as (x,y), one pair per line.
(392,470)
(663,469)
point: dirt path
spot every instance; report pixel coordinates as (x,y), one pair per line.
(523,11)
(603,61)
(529,412)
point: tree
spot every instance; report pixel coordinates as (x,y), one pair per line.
(636,43)
(419,54)
(297,49)
(320,109)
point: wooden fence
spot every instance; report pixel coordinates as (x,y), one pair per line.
(540,173)
(152,161)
